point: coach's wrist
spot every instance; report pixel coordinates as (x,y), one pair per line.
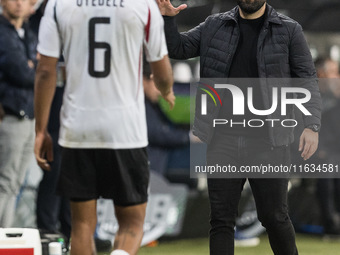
(314,127)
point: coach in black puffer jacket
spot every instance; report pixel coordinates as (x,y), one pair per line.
(250,41)
(16,76)
(282,53)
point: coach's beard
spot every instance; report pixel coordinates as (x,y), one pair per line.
(250,6)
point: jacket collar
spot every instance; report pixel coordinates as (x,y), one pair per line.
(5,22)
(271,15)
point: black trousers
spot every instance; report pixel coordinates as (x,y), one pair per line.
(270,194)
(328,194)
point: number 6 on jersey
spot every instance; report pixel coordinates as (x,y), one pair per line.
(93,45)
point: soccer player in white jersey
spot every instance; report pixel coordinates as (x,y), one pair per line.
(103,127)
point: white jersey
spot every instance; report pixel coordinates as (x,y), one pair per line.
(102,43)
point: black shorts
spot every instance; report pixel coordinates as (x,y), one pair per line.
(121,175)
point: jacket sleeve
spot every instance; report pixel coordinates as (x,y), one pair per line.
(14,66)
(302,66)
(182,45)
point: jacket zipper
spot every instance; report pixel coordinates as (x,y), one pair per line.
(260,41)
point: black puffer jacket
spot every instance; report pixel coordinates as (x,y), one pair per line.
(282,53)
(16,77)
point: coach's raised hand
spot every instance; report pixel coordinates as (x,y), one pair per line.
(167,9)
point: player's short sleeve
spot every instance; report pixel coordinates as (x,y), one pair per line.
(49,38)
(154,41)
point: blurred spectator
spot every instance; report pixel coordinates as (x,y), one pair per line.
(328,190)
(37,14)
(32,9)
(17,71)
(326,69)
(162,133)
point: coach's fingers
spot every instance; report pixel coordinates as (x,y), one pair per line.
(308,143)
(311,149)
(180,8)
(301,142)
(305,151)
(167,9)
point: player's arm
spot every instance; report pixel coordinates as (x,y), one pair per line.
(49,49)
(46,77)
(162,75)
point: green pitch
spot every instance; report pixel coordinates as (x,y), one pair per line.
(307,245)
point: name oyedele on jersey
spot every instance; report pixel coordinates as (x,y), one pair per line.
(109,3)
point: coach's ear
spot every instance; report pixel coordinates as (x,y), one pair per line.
(162,76)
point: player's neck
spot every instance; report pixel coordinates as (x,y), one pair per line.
(254,15)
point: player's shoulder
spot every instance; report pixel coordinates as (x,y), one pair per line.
(286,20)
(145,8)
(142,5)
